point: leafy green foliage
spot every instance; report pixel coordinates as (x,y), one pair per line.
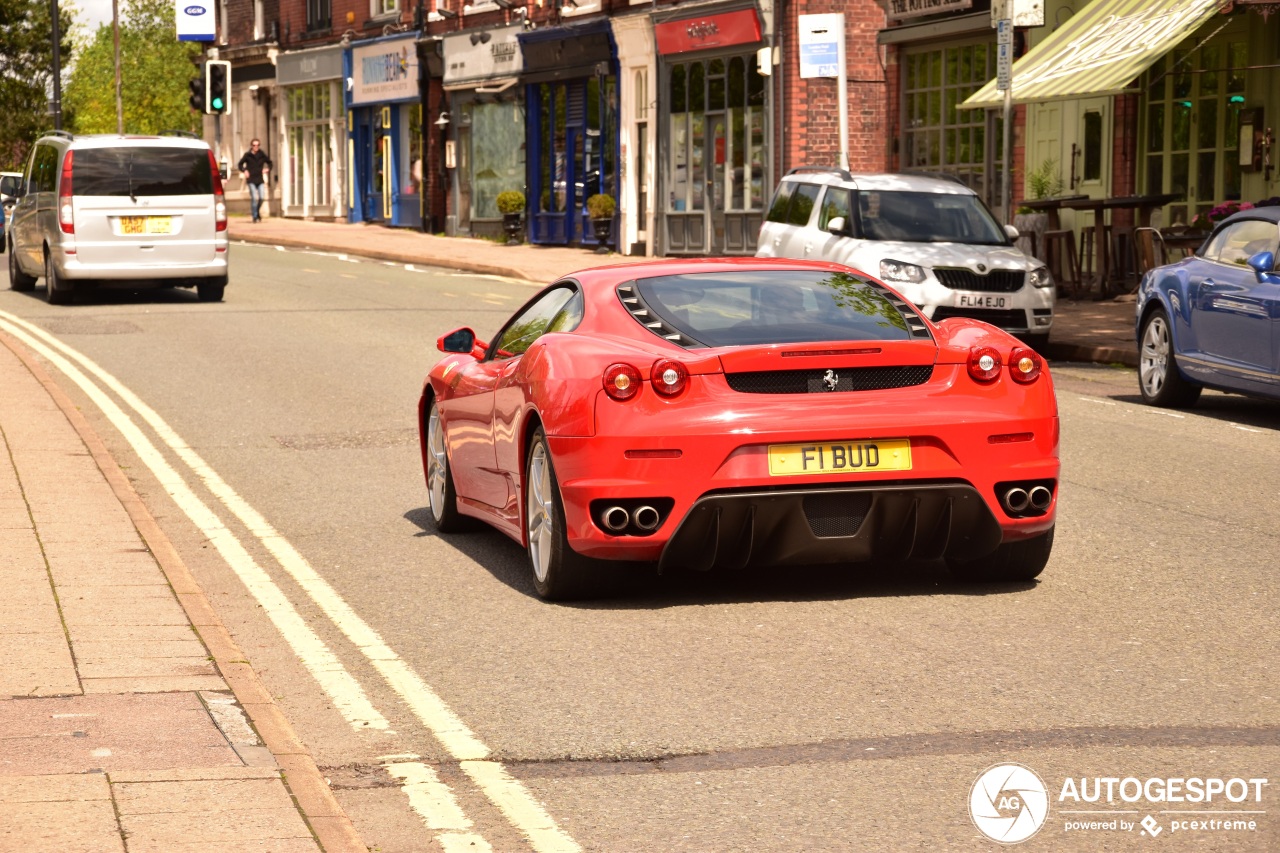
(1045,181)
(26,72)
(510,201)
(154,70)
(601,206)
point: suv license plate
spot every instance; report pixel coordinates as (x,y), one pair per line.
(969,300)
(845,457)
(146,225)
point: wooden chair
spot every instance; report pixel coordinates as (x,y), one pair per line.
(1060,257)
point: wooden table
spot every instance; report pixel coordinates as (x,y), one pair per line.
(1051,206)
(1143,205)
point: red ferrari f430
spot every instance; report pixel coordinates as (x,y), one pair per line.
(742,412)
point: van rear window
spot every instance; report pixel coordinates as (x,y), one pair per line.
(142,172)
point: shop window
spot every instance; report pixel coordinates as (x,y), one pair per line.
(1192,125)
(938,136)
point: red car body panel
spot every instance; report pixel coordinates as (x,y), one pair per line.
(711,439)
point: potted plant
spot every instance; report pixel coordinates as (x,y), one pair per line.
(600,208)
(511,206)
(1043,182)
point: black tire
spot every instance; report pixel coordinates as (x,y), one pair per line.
(443,499)
(1023,560)
(18,280)
(1159,378)
(53,289)
(211,289)
(559,572)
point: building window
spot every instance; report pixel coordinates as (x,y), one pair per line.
(717,139)
(383,8)
(309,129)
(318,15)
(259,21)
(937,136)
(1192,119)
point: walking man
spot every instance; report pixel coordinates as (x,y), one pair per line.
(254,166)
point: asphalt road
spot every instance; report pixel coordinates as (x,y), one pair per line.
(822,709)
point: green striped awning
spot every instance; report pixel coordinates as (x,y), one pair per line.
(1099,50)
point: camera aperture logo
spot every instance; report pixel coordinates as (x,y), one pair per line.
(1008,803)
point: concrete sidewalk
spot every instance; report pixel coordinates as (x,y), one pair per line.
(1082,331)
(126,710)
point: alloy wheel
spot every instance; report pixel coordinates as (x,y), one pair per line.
(539,513)
(437,464)
(1153,366)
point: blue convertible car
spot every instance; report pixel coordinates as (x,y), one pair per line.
(1213,319)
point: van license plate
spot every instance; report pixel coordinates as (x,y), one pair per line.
(969,300)
(842,457)
(146,225)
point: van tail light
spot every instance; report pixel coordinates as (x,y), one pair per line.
(669,377)
(984,364)
(66,214)
(621,381)
(219,201)
(1024,365)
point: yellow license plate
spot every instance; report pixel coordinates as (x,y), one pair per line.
(146,225)
(843,457)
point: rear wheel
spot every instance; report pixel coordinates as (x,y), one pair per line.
(443,498)
(18,280)
(1159,379)
(559,572)
(55,292)
(1012,561)
(211,289)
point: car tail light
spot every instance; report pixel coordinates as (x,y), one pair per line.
(984,364)
(669,377)
(1024,365)
(66,214)
(219,201)
(621,381)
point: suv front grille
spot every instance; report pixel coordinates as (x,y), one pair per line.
(814,381)
(997,281)
(1014,319)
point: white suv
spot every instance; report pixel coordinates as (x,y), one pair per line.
(931,239)
(119,211)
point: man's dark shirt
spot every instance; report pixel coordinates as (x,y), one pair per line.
(252,162)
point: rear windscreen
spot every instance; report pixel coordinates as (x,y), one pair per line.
(773,307)
(141,172)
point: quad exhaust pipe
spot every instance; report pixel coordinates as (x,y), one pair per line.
(646,518)
(1016,500)
(615,519)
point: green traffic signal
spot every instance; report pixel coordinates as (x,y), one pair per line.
(218,84)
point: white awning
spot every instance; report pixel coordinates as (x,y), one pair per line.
(1099,50)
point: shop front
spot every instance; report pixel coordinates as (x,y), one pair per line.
(311,179)
(384,133)
(571,128)
(713,132)
(484,125)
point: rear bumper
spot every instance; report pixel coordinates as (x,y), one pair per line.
(141,270)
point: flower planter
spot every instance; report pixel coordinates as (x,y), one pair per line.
(513,224)
(602,227)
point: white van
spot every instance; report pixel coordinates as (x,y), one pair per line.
(119,211)
(931,239)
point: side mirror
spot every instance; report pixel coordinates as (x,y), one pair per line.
(836,225)
(1013,233)
(1263,264)
(459,340)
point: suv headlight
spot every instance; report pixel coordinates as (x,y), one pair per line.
(1040,277)
(901,271)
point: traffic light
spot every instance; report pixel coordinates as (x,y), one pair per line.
(197,94)
(217,74)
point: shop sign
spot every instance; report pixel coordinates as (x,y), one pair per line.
(902,9)
(482,55)
(384,71)
(723,30)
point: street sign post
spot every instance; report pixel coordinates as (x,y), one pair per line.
(822,54)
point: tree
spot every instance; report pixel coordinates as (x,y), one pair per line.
(154,70)
(26,72)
